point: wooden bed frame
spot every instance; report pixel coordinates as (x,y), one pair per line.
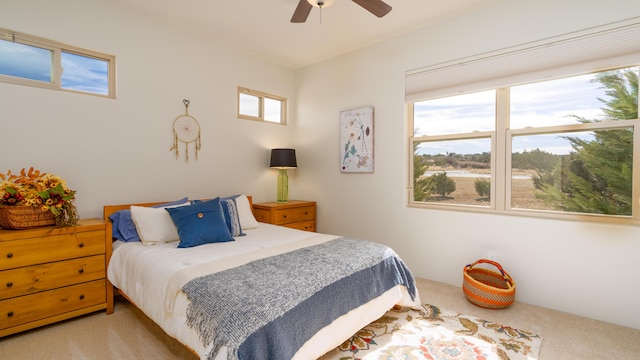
(111,290)
(108,241)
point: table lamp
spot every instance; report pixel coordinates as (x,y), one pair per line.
(283,159)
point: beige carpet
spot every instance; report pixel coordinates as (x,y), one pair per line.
(128,334)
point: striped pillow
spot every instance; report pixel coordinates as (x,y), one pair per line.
(230,211)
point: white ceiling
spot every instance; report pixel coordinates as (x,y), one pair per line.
(262,28)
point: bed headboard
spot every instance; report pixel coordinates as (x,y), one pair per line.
(108,238)
(110,209)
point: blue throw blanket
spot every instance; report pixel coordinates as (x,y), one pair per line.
(268,308)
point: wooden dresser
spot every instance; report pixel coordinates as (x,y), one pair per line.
(49,274)
(296,214)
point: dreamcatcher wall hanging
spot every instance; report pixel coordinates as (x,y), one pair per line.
(187,130)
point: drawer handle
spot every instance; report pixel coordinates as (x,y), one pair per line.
(10,314)
(81,297)
(306,213)
(80,271)
(285,216)
(9,255)
(81,245)
(9,284)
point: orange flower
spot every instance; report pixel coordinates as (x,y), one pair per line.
(45,191)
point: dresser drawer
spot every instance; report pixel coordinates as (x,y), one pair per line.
(24,309)
(19,253)
(285,216)
(309,225)
(32,279)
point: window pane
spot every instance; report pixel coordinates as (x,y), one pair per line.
(455,114)
(580,172)
(453,171)
(559,102)
(249,105)
(83,73)
(25,61)
(272,110)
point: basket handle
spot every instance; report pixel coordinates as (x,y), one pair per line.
(505,275)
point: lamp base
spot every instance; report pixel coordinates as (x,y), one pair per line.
(283,186)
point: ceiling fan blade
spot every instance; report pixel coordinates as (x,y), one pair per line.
(377,7)
(302,11)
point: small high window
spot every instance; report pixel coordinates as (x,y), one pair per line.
(256,105)
(33,61)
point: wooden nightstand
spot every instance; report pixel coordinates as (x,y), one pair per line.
(51,274)
(296,214)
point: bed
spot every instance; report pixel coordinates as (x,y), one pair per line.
(269,292)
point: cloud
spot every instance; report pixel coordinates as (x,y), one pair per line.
(82,73)
(543,104)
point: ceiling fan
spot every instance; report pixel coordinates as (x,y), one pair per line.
(377,7)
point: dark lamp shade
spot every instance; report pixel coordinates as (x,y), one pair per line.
(283,158)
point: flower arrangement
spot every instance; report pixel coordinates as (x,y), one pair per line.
(40,190)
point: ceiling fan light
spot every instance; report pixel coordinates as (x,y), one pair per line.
(320,3)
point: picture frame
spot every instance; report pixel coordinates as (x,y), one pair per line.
(356,140)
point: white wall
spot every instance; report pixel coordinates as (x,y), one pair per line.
(115,151)
(582,268)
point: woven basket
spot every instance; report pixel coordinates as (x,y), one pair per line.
(487,288)
(24,217)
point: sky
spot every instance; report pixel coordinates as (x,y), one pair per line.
(533,105)
(250,105)
(80,73)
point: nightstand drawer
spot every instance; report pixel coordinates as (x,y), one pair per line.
(303,225)
(32,279)
(19,253)
(24,309)
(262,215)
(286,216)
(296,214)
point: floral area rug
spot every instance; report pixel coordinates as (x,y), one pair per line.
(436,334)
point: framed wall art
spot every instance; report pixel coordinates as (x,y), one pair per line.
(356,140)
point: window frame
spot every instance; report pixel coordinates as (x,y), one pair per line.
(501,178)
(608,125)
(461,136)
(261,98)
(57,49)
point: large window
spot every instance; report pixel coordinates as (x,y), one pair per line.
(257,105)
(566,147)
(33,61)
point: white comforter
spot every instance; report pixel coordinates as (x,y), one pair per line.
(152,277)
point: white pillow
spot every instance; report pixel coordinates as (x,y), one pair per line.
(154,225)
(247,220)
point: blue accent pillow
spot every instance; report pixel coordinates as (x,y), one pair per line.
(123,227)
(230,212)
(200,223)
